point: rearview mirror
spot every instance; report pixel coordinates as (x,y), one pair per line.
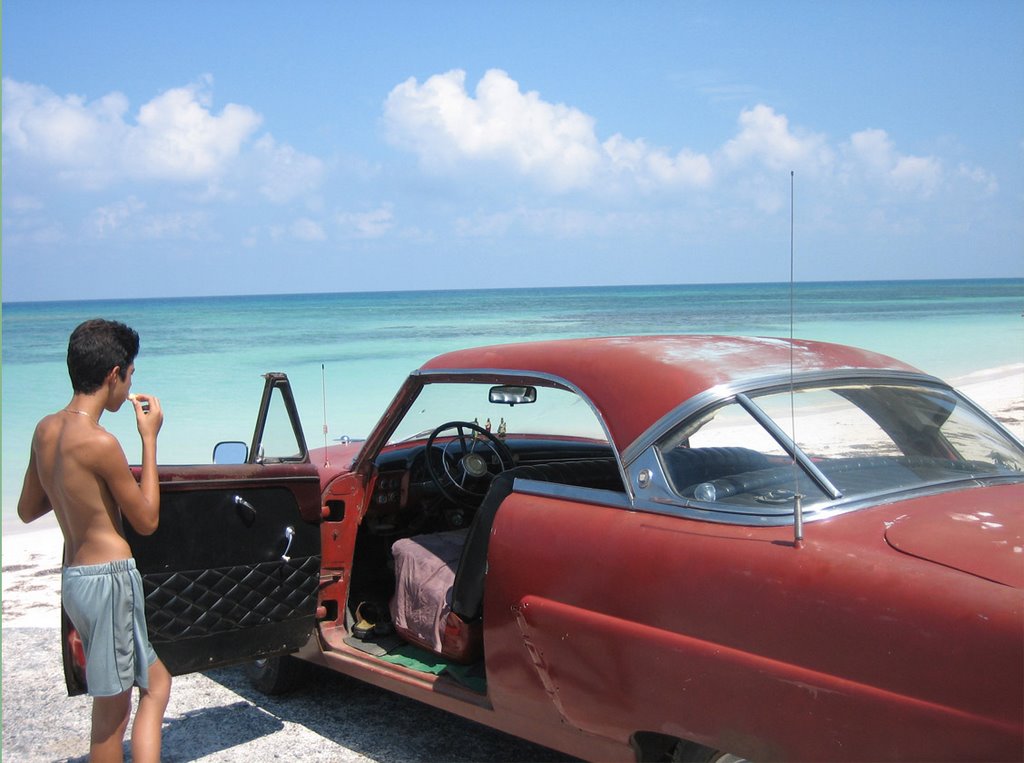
(510,395)
(230,453)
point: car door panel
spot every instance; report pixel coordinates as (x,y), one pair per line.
(231,573)
(231,570)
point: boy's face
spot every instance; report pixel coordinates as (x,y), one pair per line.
(121,389)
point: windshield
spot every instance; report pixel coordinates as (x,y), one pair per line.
(555,412)
(860,439)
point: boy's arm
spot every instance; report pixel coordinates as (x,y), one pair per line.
(33,502)
(139,501)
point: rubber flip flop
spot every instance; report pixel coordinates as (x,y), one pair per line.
(366,616)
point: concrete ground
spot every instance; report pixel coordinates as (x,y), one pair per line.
(216,716)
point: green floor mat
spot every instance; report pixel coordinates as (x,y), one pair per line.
(414,658)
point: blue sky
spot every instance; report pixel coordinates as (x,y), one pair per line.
(196,148)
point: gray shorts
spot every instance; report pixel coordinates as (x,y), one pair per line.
(108,608)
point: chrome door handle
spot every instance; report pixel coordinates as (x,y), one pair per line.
(289,534)
(239,501)
(249,513)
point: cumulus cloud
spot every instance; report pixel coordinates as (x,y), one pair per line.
(554,144)
(765,138)
(872,155)
(176,137)
(443,123)
(556,147)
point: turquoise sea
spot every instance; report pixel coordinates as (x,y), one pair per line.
(204,356)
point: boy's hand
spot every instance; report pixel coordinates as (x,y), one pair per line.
(148,415)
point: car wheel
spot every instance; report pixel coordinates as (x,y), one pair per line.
(690,752)
(276,675)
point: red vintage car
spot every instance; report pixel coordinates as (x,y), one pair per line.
(651,548)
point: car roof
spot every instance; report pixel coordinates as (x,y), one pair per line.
(634,381)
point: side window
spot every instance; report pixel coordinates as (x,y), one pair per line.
(278,431)
(730,426)
(723,443)
(279,442)
(828,425)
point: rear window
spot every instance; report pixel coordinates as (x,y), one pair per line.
(864,439)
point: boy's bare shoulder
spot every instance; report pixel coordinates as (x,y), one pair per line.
(86,439)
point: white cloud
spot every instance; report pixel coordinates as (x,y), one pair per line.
(871,155)
(305,229)
(556,147)
(176,137)
(131,218)
(982,178)
(73,137)
(443,124)
(765,138)
(285,173)
(372,224)
(553,144)
(651,168)
(189,224)
(108,219)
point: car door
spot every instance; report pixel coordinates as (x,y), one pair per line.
(232,572)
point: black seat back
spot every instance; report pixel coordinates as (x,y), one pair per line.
(688,467)
(468,589)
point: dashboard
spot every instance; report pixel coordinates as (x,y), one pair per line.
(406,499)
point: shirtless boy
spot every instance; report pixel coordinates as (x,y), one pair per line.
(79,470)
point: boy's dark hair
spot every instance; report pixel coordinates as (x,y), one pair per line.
(95,347)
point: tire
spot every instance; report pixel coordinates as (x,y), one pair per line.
(276,675)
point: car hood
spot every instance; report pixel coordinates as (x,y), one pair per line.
(980,532)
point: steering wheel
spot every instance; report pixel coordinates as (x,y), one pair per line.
(466,468)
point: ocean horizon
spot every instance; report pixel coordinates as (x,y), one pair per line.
(204,356)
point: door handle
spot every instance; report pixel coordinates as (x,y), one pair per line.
(289,534)
(239,501)
(250,511)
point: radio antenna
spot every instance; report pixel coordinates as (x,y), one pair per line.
(323,387)
(798,509)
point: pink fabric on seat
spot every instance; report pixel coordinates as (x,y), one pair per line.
(425,571)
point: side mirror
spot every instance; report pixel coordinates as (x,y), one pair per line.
(230,453)
(510,395)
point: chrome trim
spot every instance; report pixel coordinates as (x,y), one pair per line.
(706,512)
(489,375)
(611,498)
(659,497)
(724,393)
(790,447)
(658,488)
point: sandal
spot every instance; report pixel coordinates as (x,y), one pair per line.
(366,620)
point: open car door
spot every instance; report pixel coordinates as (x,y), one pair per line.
(231,574)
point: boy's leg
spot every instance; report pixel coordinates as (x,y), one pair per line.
(149,717)
(109,721)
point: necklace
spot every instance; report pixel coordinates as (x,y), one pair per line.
(80,413)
